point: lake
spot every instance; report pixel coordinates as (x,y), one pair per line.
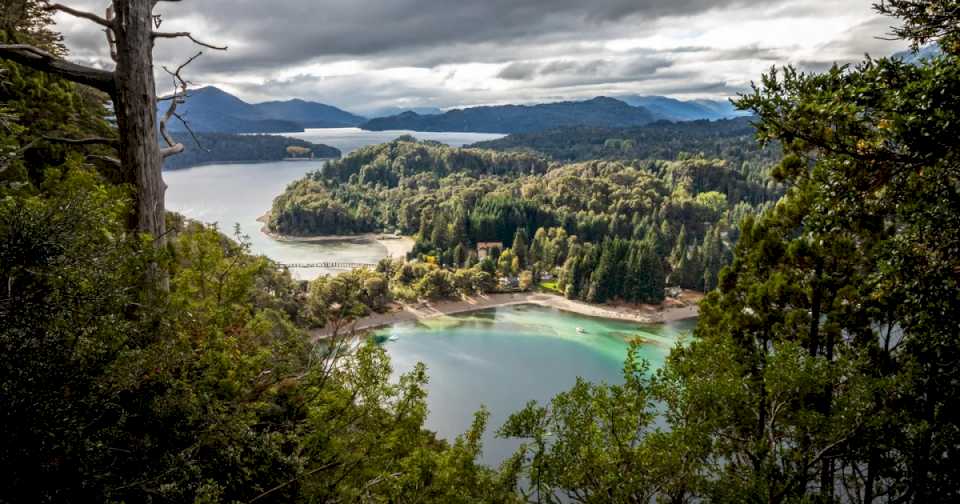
(230,194)
(500,358)
(504,357)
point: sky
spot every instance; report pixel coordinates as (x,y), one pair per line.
(365,55)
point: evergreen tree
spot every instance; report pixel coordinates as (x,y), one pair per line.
(538,253)
(519,247)
(824,363)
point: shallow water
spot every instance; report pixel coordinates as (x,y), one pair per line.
(504,357)
(230,194)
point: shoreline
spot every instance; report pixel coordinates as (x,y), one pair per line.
(397,247)
(673,310)
(240,162)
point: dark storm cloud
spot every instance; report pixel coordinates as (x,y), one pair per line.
(747,53)
(362,54)
(644,66)
(274,34)
(277,33)
(519,70)
(588,71)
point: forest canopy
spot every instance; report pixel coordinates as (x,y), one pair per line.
(206,148)
(822,368)
(679,218)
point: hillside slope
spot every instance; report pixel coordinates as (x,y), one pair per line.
(600,111)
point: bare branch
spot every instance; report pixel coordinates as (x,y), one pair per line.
(173,150)
(188,35)
(186,124)
(155,2)
(106,159)
(113,142)
(179,96)
(111,39)
(41,60)
(80,14)
(168,98)
(311,472)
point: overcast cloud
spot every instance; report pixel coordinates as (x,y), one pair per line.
(367,54)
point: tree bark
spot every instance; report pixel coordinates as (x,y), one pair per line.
(135,103)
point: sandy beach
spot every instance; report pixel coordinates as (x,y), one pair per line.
(675,309)
(397,246)
(683,307)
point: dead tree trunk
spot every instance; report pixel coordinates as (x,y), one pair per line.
(135,104)
(129,25)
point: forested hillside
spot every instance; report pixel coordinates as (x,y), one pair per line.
(731,140)
(519,118)
(583,221)
(205,148)
(672,109)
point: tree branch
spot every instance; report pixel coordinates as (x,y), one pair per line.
(106,159)
(193,134)
(179,94)
(41,60)
(113,142)
(311,472)
(188,35)
(111,39)
(80,14)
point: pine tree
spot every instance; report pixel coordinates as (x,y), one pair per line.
(538,253)
(520,247)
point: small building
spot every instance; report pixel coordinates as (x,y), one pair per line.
(511,282)
(484,249)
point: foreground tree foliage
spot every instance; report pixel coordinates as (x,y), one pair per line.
(210,391)
(825,363)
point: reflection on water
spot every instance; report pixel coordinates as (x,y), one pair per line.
(504,357)
(230,194)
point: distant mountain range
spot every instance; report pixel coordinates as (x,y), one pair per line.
(599,111)
(672,109)
(392,111)
(211,109)
(926,52)
(310,114)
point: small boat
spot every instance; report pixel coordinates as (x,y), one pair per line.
(581,330)
(393,337)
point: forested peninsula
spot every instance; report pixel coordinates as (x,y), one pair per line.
(607,229)
(207,148)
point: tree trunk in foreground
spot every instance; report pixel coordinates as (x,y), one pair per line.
(129,26)
(135,103)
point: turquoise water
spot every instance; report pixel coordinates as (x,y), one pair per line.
(504,357)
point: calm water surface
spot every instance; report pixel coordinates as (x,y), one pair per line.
(230,194)
(504,357)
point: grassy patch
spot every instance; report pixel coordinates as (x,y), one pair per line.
(550,286)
